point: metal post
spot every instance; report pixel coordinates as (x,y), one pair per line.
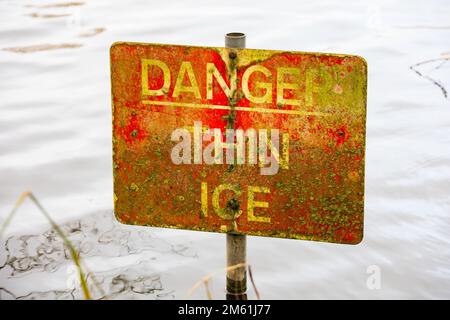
(236,244)
(235,40)
(236,277)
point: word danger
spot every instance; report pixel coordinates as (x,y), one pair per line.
(240,147)
(285,80)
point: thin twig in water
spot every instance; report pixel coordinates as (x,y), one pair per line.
(435,82)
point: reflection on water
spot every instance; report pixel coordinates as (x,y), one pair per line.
(56,5)
(43,47)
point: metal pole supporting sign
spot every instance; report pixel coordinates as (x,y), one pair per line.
(236,244)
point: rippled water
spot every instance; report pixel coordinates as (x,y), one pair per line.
(55,139)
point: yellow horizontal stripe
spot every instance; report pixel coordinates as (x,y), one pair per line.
(219,107)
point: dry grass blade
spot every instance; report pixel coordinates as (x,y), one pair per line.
(73,252)
(208,292)
(90,275)
(206,278)
(253,283)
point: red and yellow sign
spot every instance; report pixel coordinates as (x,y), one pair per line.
(256,142)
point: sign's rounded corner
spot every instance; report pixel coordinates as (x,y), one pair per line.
(358,240)
(114,45)
(118,218)
(362,60)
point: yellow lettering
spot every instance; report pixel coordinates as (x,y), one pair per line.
(212,72)
(252,204)
(281,85)
(186,66)
(225,213)
(204,199)
(145,63)
(267,97)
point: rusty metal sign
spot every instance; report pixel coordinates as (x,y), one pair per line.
(256,142)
